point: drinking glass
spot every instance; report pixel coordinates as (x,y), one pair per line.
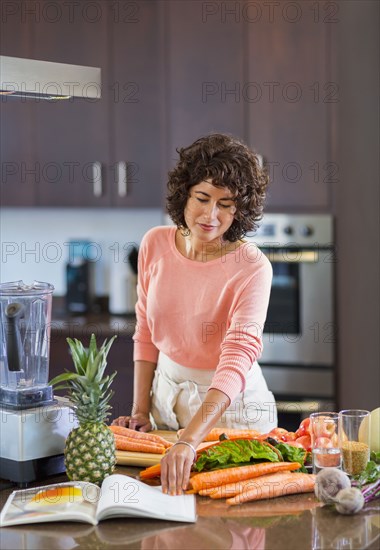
(324,441)
(354,439)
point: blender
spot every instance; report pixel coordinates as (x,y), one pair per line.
(34,423)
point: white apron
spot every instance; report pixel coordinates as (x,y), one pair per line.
(178,392)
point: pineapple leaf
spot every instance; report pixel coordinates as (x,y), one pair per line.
(88,388)
(82,353)
(78,354)
(93,365)
(92,347)
(106,347)
(65,377)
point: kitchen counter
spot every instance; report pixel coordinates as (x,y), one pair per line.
(295,522)
(99,321)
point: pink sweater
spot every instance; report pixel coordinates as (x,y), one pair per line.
(203,315)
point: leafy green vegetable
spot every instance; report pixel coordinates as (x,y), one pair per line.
(233,453)
(369,475)
(368,481)
(293,454)
(375,457)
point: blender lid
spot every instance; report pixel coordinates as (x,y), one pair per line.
(21,288)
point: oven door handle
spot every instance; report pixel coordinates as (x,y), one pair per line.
(293,256)
(297,407)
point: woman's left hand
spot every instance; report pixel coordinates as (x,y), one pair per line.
(175,469)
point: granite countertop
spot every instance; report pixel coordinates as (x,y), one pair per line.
(295,522)
(99,320)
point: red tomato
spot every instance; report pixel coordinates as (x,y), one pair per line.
(279,434)
(305,441)
(304,428)
(290,436)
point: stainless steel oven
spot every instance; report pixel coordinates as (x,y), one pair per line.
(299,333)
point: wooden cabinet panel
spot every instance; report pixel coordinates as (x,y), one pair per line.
(71,135)
(206,57)
(66,138)
(288,96)
(137,115)
(16,137)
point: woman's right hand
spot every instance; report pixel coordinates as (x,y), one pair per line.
(138,421)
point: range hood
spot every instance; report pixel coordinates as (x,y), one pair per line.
(32,78)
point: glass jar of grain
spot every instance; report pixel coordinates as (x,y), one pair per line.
(354,437)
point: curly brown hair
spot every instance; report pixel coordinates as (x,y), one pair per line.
(227,162)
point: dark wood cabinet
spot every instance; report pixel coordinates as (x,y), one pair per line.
(137,106)
(71,143)
(260,73)
(206,65)
(172,72)
(16,135)
(92,153)
(288,95)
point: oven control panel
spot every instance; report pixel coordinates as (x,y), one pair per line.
(294,230)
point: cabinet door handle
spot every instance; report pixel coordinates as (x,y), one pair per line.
(97,179)
(122,179)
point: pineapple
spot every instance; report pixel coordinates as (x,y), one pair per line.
(90,448)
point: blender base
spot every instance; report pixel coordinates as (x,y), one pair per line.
(19,399)
(32,441)
(23,473)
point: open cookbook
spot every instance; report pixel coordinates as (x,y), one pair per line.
(119,496)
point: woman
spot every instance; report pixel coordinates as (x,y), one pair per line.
(203,295)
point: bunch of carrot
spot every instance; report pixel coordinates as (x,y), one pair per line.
(243,483)
(254,482)
(132,440)
(246,483)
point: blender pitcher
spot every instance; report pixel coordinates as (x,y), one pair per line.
(25,313)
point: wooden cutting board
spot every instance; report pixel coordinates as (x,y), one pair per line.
(131,458)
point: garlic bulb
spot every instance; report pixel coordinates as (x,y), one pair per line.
(329,482)
(349,501)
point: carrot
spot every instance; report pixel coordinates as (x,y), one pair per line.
(290,484)
(151,472)
(123,443)
(223,476)
(127,432)
(232,489)
(231,433)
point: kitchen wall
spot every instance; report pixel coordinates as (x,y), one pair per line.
(33,241)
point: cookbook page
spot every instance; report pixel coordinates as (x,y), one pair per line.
(122,495)
(70,501)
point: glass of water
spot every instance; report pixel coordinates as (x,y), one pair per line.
(325,448)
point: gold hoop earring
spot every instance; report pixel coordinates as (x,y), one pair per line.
(185,231)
